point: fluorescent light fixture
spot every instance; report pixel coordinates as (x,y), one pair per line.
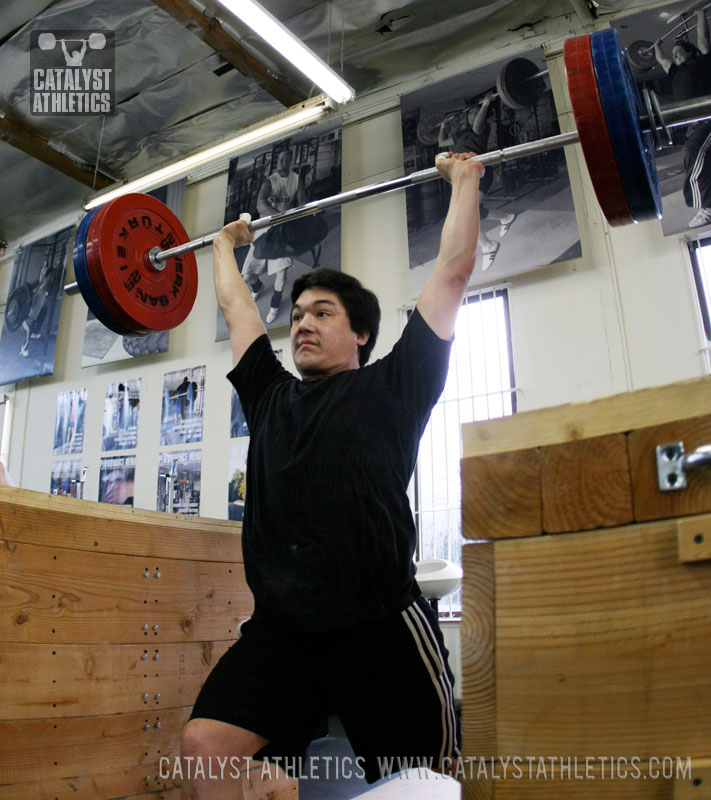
(294,50)
(295,117)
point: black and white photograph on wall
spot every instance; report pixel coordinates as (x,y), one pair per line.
(34,300)
(69,422)
(238,423)
(65,477)
(283,175)
(121,406)
(526,208)
(117,476)
(101,345)
(237,488)
(669,50)
(181,469)
(183,401)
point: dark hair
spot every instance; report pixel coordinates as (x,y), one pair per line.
(686,45)
(360,303)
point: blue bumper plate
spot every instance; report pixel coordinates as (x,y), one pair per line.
(81,273)
(622,106)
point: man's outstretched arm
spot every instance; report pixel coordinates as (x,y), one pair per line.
(244,324)
(443,293)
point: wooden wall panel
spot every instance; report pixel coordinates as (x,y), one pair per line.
(70,596)
(71,755)
(110,621)
(586,484)
(649,501)
(64,680)
(37,518)
(501,495)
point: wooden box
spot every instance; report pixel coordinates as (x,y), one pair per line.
(586,633)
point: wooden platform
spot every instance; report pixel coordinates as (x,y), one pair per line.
(110,621)
(586,629)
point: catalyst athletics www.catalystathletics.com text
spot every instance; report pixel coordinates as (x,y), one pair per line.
(591,768)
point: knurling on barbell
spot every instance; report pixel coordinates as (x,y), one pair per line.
(139,265)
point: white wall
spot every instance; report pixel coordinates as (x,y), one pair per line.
(622,317)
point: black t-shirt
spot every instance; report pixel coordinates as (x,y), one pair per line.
(328,535)
(692,79)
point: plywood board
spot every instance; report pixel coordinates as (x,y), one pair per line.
(50,594)
(36,518)
(568,423)
(124,749)
(603,645)
(40,681)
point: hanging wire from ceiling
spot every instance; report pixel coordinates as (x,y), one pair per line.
(98,152)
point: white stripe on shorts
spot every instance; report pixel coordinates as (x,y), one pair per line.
(696,171)
(428,648)
(444,678)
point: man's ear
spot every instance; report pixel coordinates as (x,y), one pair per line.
(362,338)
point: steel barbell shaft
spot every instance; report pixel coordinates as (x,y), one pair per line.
(493,157)
(672,116)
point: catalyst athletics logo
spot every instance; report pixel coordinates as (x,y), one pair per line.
(72,73)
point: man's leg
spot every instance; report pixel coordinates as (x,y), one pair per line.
(225,751)
(697,166)
(23,350)
(253,687)
(279,284)
(251,270)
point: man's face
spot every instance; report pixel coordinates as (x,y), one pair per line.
(322,340)
(680,55)
(284,161)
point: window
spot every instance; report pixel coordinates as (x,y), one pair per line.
(700,251)
(480,386)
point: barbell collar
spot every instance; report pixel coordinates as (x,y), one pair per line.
(673,115)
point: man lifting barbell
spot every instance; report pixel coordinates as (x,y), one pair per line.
(77,56)
(40,299)
(469,131)
(339,623)
(689,70)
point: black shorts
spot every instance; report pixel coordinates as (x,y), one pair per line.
(388,682)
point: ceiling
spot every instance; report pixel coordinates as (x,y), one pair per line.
(183,80)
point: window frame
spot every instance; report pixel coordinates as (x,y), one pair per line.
(473,296)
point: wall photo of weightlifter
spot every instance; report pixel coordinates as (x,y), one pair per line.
(526,209)
(29,329)
(670,55)
(269,180)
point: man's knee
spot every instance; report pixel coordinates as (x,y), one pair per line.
(207,737)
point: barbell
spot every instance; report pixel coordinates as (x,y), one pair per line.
(135,265)
(47,41)
(519,84)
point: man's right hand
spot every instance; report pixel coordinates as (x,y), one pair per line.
(237,233)
(454,165)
